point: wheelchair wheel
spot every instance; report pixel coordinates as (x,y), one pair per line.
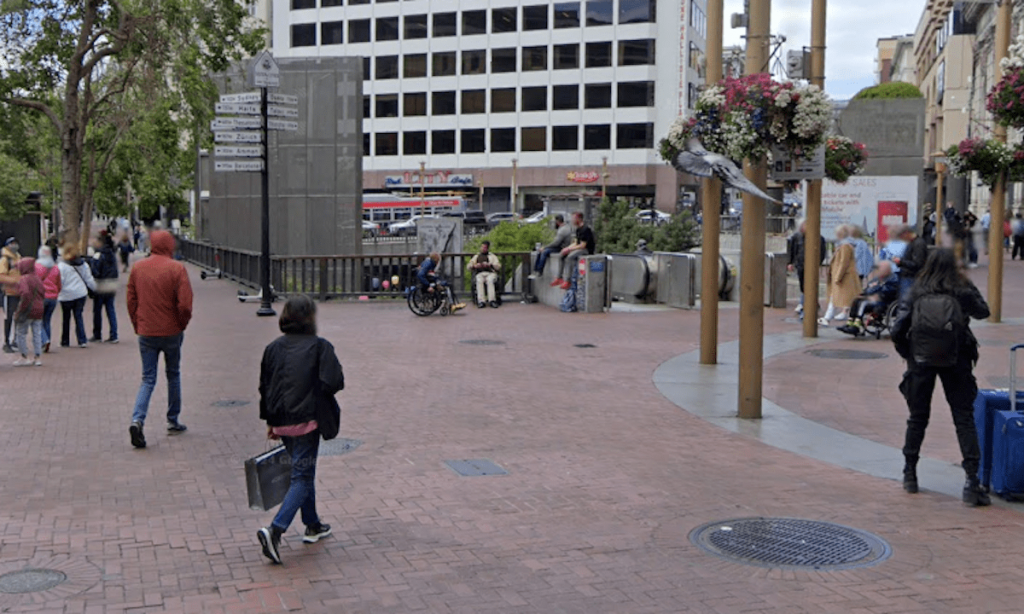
(423,303)
(445,310)
(890,315)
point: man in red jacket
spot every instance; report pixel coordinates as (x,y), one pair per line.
(160,307)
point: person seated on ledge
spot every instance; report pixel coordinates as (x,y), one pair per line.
(883,290)
(430,280)
(583,245)
(563,236)
(485,267)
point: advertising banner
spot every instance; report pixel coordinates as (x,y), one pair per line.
(868,202)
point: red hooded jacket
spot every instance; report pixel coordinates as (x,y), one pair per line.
(159,291)
(31,290)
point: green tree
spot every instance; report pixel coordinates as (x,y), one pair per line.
(514,237)
(891,90)
(16,181)
(618,230)
(91,66)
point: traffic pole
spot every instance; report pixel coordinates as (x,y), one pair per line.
(266,293)
(751,356)
(711,199)
(997,211)
(812,215)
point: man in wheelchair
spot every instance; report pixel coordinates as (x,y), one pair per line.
(431,282)
(883,290)
(485,267)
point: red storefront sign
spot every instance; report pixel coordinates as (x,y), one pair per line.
(890,213)
(583,176)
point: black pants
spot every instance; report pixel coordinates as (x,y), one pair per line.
(862,306)
(961,388)
(800,278)
(1018,247)
(10,306)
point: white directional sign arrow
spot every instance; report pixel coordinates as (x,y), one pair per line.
(236,98)
(282,124)
(229,123)
(283,99)
(265,72)
(232,108)
(238,165)
(237,137)
(275,111)
(242,151)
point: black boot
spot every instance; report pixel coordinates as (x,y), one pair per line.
(910,478)
(974,494)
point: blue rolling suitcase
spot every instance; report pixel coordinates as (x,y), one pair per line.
(1001,436)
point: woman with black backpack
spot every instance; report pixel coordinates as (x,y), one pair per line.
(931,331)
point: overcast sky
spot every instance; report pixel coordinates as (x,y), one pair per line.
(854,26)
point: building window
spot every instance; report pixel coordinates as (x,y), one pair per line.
(503,139)
(474,101)
(327,3)
(304,35)
(444,64)
(443,103)
(636,53)
(444,25)
(535,98)
(503,60)
(698,20)
(567,15)
(634,136)
(597,137)
(359,31)
(503,100)
(636,94)
(442,142)
(474,62)
(535,139)
(566,56)
(415,26)
(387,143)
(367,74)
(692,94)
(298,5)
(387,28)
(474,141)
(565,138)
(636,11)
(414,143)
(565,97)
(535,17)
(504,20)
(354,2)
(694,61)
(332,33)
(535,58)
(387,105)
(415,66)
(474,22)
(597,96)
(414,104)
(387,67)
(367,106)
(366,143)
(599,55)
(600,12)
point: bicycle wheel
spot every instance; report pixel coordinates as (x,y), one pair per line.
(423,303)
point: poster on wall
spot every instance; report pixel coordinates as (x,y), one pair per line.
(872,203)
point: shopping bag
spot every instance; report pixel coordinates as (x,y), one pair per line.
(267,478)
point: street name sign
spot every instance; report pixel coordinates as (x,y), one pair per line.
(231,123)
(265,71)
(237,98)
(237,137)
(238,165)
(241,151)
(282,99)
(233,108)
(276,111)
(282,124)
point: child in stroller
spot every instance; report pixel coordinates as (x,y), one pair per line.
(430,281)
(867,314)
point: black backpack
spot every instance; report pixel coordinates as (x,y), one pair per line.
(936,330)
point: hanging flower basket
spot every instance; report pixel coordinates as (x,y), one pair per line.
(987,157)
(844,158)
(746,117)
(1006,100)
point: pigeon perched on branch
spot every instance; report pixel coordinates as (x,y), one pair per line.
(700,162)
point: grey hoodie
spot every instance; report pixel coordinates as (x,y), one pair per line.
(562,239)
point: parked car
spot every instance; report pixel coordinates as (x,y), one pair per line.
(652,216)
(408,227)
(370,229)
(504,216)
(537,217)
(473,222)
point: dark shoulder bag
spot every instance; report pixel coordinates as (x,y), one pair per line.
(328,413)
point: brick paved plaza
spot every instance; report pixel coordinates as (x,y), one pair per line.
(606,476)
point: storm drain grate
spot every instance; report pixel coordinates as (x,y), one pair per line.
(791,543)
(847,354)
(585,345)
(230,403)
(31,581)
(339,446)
(475,467)
(482,342)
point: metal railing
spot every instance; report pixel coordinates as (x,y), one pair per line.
(773,224)
(327,277)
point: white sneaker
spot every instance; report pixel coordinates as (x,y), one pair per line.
(37,363)
(534,275)
(799,309)
(823,321)
(23,362)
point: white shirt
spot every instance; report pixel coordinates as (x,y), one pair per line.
(75,282)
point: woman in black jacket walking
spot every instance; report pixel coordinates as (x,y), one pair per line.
(299,374)
(104,271)
(932,332)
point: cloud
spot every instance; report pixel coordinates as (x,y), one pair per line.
(852,31)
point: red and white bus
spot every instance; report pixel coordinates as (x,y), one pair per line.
(386,209)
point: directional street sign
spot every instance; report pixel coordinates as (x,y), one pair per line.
(230,123)
(237,137)
(238,165)
(282,124)
(265,72)
(231,108)
(276,111)
(282,99)
(236,98)
(243,151)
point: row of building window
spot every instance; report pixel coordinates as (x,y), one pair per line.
(563,138)
(503,100)
(564,15)
(508,60)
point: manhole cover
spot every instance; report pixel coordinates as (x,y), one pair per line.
(230,403)
(31,580)
(847,354)
(339,446)
(585,345)
(791,543)
(482,342)
(475,467)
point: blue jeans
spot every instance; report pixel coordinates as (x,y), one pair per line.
(150,348)
(906,283)
(22,328)
(542,260)
(301,493)
(68,309)
(49,306)
(99,302)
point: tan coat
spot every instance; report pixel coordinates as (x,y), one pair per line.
(844,283)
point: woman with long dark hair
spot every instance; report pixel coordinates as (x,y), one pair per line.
(931,330)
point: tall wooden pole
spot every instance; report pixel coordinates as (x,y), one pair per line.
(812,223)
(266,294)
(711,199)
(998,206)
(752,258)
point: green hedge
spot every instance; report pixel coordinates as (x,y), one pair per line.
(889,91)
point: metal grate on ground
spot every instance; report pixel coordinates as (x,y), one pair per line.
(847,354)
